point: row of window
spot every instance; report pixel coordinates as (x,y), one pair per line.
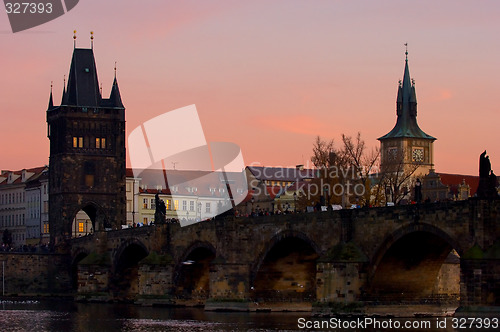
(12,220)
(81,142)
(12,198)
(168,205)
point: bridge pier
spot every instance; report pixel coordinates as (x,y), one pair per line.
(156,280)
(229,286)
(93,278)
(480,282)
(341,279)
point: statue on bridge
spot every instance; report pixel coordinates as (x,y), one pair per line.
(488,182)
(160,210)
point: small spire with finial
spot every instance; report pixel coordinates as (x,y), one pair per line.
(100,89)
(115,69)
(406,53)
(51,103)
(92,39)
(74,38)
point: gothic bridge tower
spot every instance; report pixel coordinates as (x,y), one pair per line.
(87,152)
(406,145)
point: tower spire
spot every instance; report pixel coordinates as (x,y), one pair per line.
(63,100)
(51,103)
(92,40)
(406,108)
(74,38)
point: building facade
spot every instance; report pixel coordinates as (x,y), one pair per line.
(22,203)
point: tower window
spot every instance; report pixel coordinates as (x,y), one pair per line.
(77,142)
(89,169)
(100,143)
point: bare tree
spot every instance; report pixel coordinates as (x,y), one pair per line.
(362,162)
(340,173)
(397,177)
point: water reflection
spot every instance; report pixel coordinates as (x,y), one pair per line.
(76,317)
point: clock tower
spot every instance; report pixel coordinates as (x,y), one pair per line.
(406,146)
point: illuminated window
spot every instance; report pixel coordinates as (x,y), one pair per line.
(176,205)
(77,142)
(46,228)
(168,205)
(103,143)
(80,227)
(145,220)
(145,203)
(97,143)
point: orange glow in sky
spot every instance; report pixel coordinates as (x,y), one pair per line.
(269,75)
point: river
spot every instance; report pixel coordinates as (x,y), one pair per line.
(66,316)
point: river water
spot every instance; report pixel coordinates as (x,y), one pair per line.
(67,316)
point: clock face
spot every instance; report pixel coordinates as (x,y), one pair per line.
(418,154)
(392,153)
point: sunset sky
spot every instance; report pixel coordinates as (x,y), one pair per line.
(269,75)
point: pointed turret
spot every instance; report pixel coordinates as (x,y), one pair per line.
(83,85)
(115,97)
(51,102)
(406,110)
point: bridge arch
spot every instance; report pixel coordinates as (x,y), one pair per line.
(285,269)
(409,265)
(274,240)
(96,215)
(124,280)
(192,271)
(408,229)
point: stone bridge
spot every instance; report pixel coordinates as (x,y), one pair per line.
(431,252)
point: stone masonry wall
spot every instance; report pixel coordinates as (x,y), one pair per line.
(36,274)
